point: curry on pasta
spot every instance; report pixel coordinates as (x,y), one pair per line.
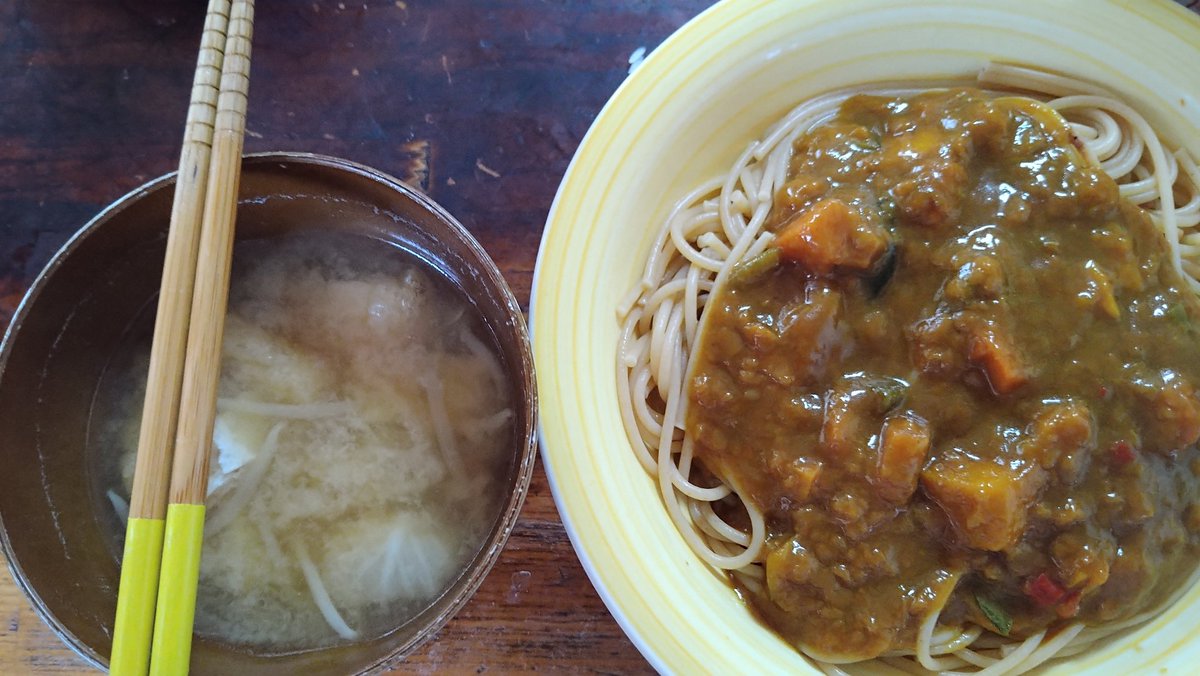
(921,373)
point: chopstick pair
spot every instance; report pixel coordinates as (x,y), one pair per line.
(163,538)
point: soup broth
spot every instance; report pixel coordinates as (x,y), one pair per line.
(359,448)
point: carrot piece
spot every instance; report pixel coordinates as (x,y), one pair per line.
(1059,430)
(997,356)
(831,235)
(903,445)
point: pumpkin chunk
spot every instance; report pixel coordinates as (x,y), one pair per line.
(830,235)
(987,502)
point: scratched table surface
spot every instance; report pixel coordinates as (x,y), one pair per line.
(481,104)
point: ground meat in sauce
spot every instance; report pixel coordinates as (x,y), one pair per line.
(964,378)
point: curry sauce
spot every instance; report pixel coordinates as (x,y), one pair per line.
(960,381)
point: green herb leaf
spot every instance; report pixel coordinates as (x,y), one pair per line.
(891,392)
(995,614)
(749,271)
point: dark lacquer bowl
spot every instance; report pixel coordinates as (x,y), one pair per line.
(80,309)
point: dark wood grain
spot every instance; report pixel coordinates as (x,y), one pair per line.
(92,101)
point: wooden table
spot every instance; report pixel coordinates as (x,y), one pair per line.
(492,97)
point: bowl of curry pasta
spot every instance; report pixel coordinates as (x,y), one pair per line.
(868,339)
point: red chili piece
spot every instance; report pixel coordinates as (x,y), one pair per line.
(1044,591)
(1122,453)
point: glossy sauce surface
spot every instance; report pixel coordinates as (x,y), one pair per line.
(961,380)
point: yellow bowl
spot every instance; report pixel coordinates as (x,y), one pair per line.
(682,118)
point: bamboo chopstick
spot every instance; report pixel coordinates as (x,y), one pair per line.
(148,502)
(184,535)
